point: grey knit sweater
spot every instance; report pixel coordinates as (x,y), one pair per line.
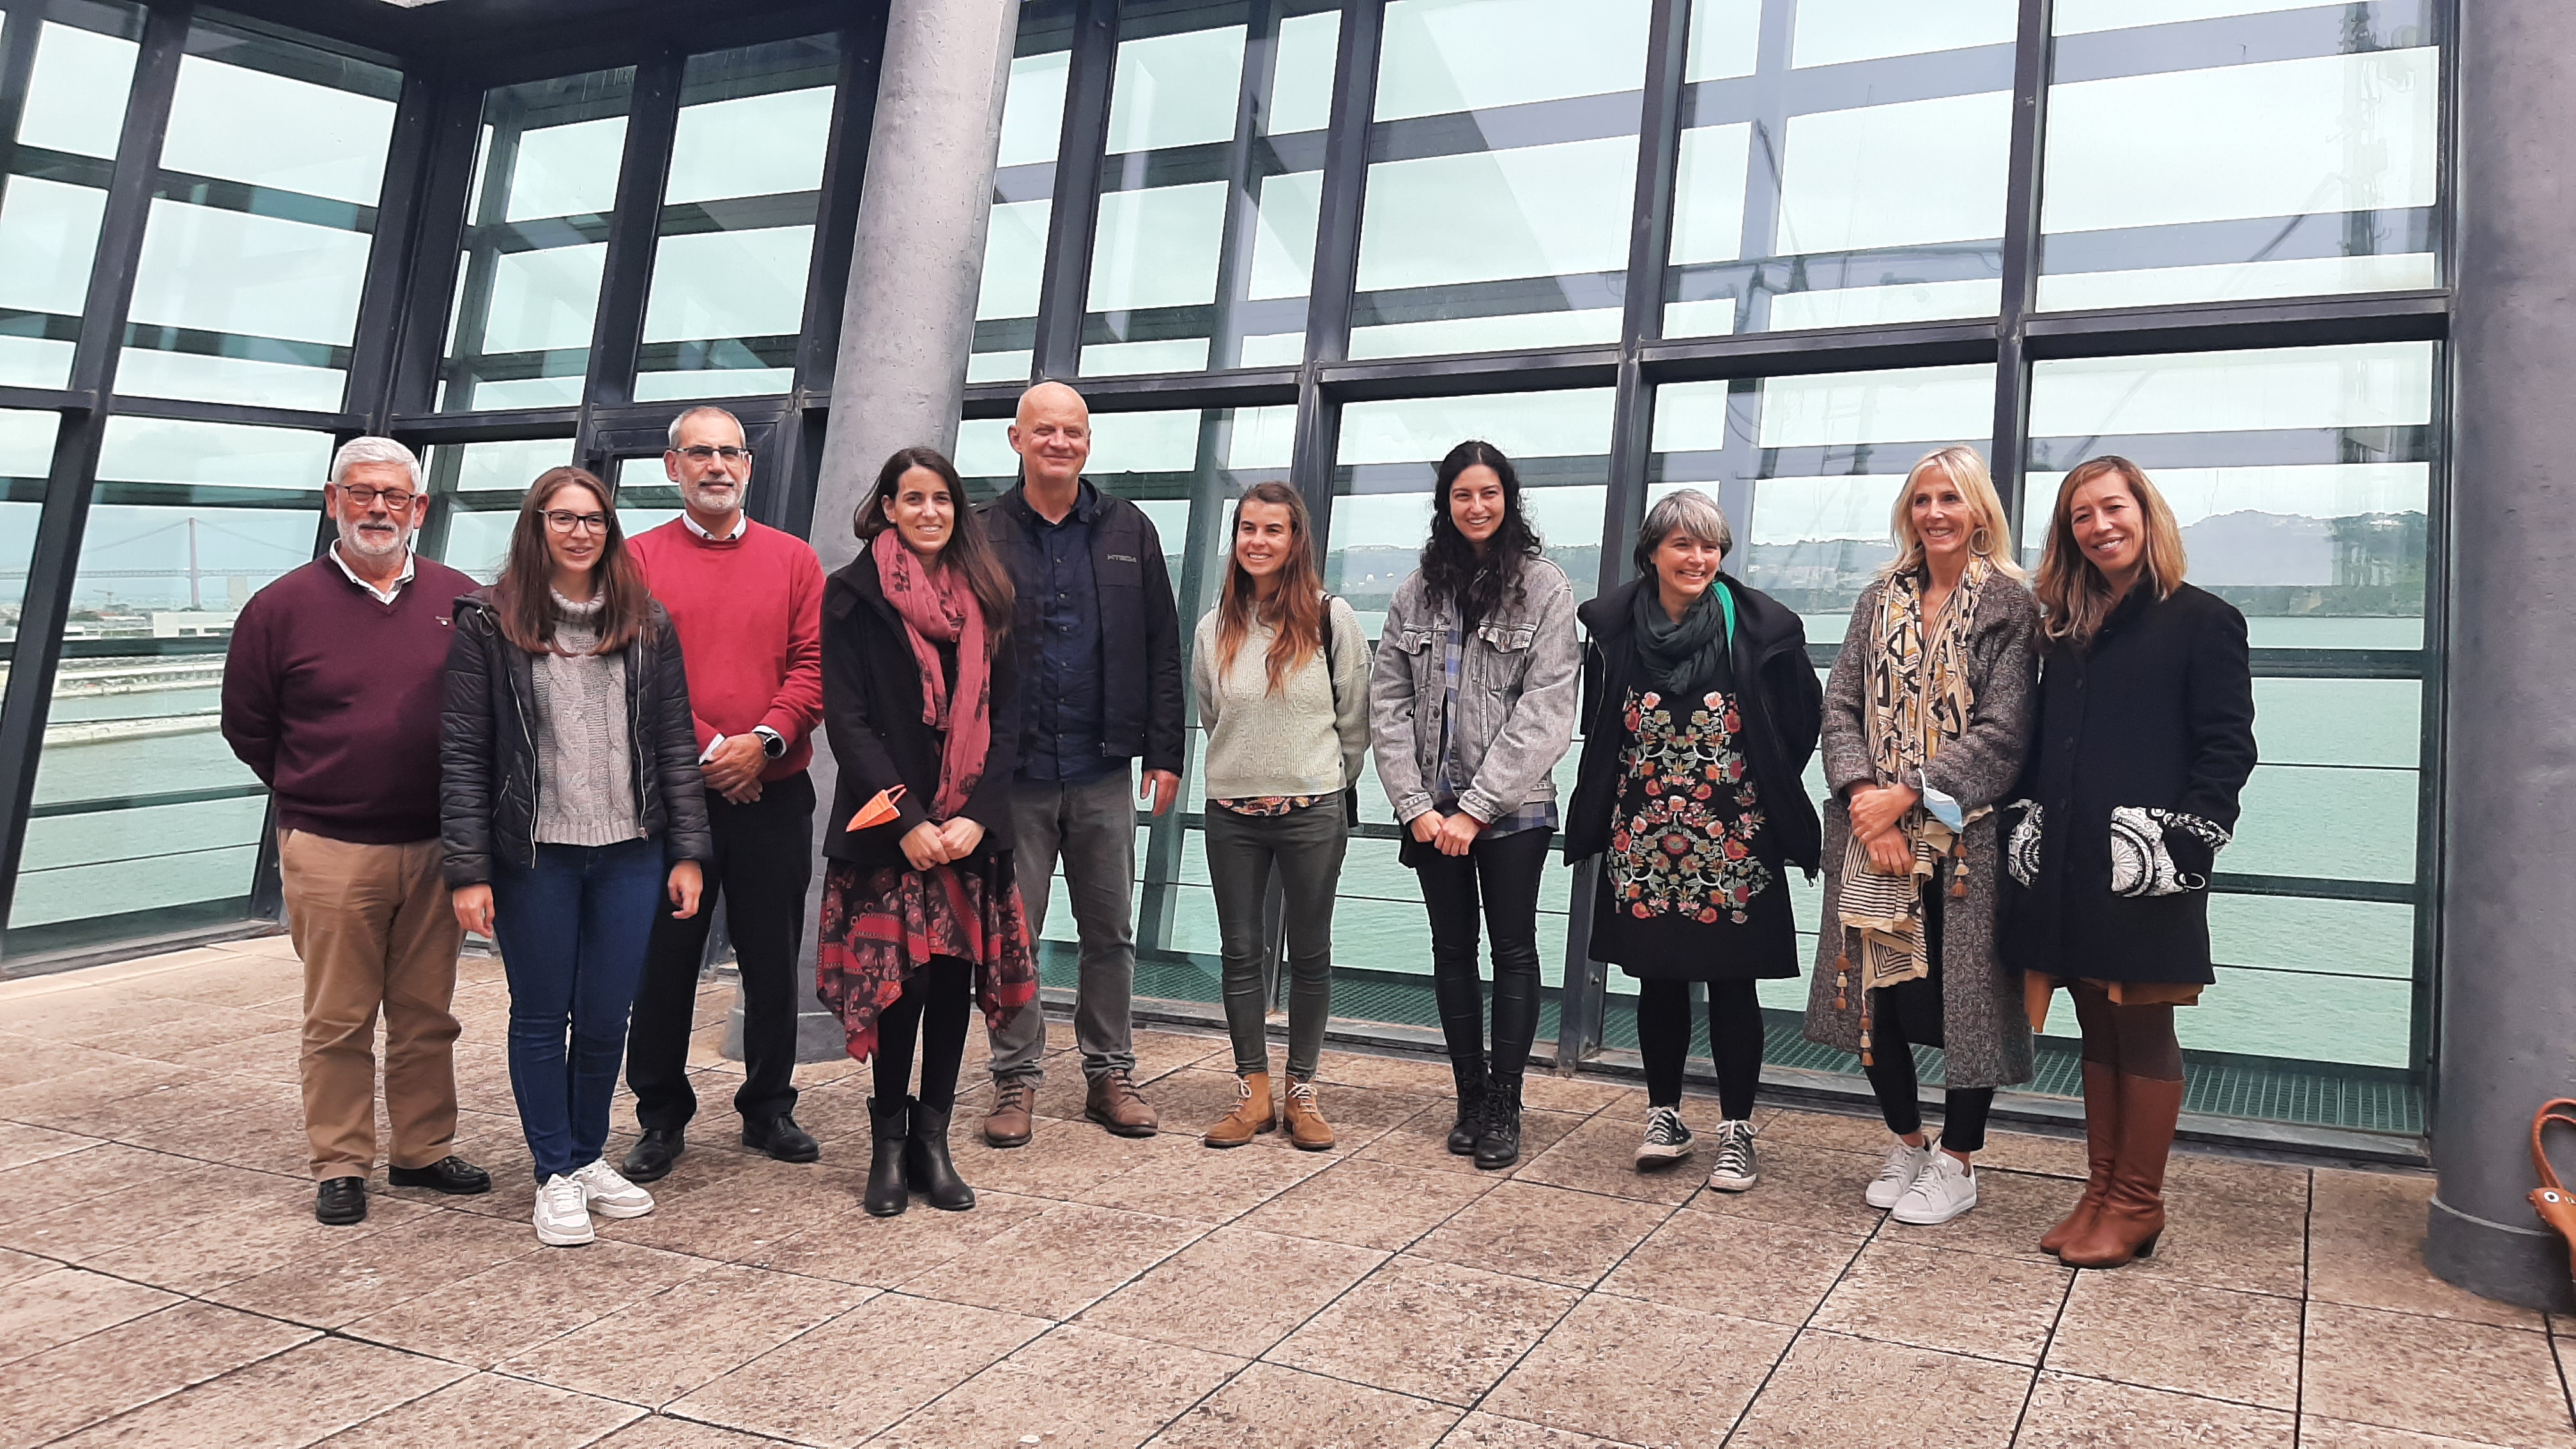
(585,768)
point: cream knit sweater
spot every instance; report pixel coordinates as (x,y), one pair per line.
(1294,742)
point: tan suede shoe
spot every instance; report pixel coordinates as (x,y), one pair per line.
(1251,1115)
(1307,1129)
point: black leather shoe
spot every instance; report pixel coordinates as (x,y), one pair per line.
(781,1138)
(449,1174)
(926,1167)
(650,1159)
(1471,1107)
(891,1130)
(340,1201)
(1498,1145)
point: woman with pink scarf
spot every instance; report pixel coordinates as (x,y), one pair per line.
(921,917)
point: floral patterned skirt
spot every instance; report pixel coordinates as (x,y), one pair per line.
(881,924)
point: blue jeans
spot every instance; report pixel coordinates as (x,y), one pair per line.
(572,934)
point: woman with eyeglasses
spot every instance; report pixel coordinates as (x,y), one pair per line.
(573,808)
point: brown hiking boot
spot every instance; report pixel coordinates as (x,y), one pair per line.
(1114,1103)
(1009,1124)
(1250,1117)
(1307,1129)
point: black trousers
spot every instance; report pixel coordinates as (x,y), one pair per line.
(1501,875)
(1734,1041)
(764,859)
(1908,1015)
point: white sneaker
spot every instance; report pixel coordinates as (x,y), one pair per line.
(1946,1189)
(563,1219)
(610,1195)
(1666,1140)
(1735,1170)
(1905,1162)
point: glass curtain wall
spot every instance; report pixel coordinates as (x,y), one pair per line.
(1777,250)
(78,60)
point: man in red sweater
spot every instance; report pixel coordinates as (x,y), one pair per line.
(332,689)
(748,602)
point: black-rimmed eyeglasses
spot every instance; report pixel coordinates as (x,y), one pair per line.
(702,454)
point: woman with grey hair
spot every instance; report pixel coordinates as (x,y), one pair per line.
(1700,711)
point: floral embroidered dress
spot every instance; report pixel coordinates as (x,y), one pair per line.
(1691,887)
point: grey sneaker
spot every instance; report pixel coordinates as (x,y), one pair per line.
(1735,1170)
(1666,1140)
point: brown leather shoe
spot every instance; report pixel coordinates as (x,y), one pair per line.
(1307,1129)
(2101,1148)
(2133,1212)
(1251,1115)
(1114,1103)
(1011,1120)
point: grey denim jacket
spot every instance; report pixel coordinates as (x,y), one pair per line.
(1520,677)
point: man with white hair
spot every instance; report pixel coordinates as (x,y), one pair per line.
(332,693)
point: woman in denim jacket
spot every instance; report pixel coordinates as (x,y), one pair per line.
(1471,705)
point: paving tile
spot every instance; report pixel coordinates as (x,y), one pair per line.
(1582,1095)
(1406,1073)
(851,1247)
(1955,1302)
(26,1060)
(2322,1433)
(229,978)
(274,1229)
(2435,1376)
(2038,1154)
(1833,1392)
(504,1311)
(1488,1431)
(17,1267)
(1422,1141)
(1715,1262)
(1370,1204)
(1804,1186)
(2366,1248)
(304,1394)
(1433,1330)
(2166,1335)
(1586,1374)
(260,1138)
(496,1413)
(338,1283)
(1058,1262)
(1601,1156)
(201,1026)
(658,1348)
(1204,1184)
(2076,1413)
(1236,1291)
(21,1144)
(1160,1053)
(1076,1388)
(68,1303)
(94,1009)
(2013,1209)
(2221,1236)
(80,1383)
(1550,1233)
(110,1167)
(112,1219)
(1266,1406)
(1059,1161)
(805,1390)
(735,1211)
(656,1432)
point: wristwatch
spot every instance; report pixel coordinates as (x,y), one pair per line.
(772,743)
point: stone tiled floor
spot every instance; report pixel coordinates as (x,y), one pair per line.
(162,1280)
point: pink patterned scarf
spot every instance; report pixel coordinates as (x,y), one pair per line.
(938,608)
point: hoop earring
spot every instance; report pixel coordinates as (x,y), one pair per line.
(1982,542)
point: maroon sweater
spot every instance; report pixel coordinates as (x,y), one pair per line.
(333,699)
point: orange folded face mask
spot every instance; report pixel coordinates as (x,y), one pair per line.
(878,811)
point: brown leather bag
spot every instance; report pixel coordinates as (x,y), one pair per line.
(2555,1204)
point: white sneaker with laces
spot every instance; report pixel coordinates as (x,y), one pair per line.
(1905,1162)
(1946,1189)
(1666,1140)
(606,1192)
(563,1218)
(1735,1169)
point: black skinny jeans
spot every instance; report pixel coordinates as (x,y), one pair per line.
(1734,1040)
(1504,872)
(1908,1015)
(937,1004)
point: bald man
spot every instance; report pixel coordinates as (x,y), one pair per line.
(1100,690)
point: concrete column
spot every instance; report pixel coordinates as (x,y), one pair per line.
(2508,1000)
(908,317)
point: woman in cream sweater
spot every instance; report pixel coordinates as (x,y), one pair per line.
(1286,711)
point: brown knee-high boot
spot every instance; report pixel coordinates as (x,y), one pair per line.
(2132,1215)
(2101,1147)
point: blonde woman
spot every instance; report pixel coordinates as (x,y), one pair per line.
(1926,718)
(2141,743)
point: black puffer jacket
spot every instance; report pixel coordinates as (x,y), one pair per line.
(487,751)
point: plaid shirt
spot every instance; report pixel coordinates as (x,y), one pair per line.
(1534,815)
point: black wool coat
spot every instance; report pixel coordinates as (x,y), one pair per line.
(2158,713)
(872,716)
(1782,700)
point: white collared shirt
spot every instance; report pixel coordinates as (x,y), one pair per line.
(384,595)
(691,519)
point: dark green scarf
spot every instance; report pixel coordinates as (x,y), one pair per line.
(1680,656)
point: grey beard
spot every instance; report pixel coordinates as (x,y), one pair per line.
(707,499)
(356,543)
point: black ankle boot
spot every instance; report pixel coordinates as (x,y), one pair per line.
(1471,1107)
(1499,1144)
(926,1168)
(890,1129)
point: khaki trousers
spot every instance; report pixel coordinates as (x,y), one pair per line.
(376,931)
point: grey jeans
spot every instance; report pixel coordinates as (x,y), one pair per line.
(1092,829)
(1307,847)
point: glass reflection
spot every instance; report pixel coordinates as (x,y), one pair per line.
(1006,302)
(475,490)
(55,188)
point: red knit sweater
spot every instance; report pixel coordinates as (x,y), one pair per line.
(333,698)
(750,615)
